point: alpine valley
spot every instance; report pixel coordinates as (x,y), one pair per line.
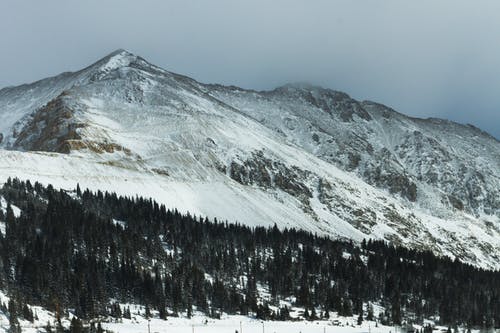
(298,156)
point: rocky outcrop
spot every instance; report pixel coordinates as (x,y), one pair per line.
(55,128)
(264,172)
(50,128)
(411,158)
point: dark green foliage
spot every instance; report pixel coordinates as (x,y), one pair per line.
(76,326)
(360,319)
(71,255)
(369,315)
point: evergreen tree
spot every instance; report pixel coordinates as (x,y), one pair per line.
(306,314)
(99,328)
(159,257)
(48,327)
(369,315)
(76,325)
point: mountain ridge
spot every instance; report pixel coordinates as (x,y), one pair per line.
(312,158)
(121,51)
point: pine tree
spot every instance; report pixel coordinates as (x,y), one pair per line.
(27,313)
(12,308)
(396,310)
(313,314)
(369,315)
(76,325)
(99,328)
(306,314)
(48,327)
(346,308)
(327,314)
(126,313)
(189,310)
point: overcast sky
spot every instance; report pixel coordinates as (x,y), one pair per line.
(423,58)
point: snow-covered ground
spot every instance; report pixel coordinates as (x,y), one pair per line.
(227,324)
(222,198)
(38,325)
(182,142)
(201,324)
(232,324)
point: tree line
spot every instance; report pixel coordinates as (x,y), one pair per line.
(79,250)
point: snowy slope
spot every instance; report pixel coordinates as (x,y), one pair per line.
(18,103)
(385,148)
(318,163)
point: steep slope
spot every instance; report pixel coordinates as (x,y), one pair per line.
(17,104)
(410,157)
(297,156)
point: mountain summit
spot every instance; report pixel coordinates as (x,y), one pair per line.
(297,156)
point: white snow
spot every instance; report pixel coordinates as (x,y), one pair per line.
(231,324)
(3,207)
(199,323)
(178,140)
(122,224)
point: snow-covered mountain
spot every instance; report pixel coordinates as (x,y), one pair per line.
(298,156)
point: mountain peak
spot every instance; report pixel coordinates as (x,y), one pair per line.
(119,52)
(117,59)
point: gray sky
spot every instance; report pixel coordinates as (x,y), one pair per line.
(423,58)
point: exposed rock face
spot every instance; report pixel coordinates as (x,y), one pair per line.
(382,172)
(264,172)
(329,101)
(387,149)
(56,128)
(299,156)
(50,128)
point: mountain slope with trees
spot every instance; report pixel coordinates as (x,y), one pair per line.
(298,156)
(82,252)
